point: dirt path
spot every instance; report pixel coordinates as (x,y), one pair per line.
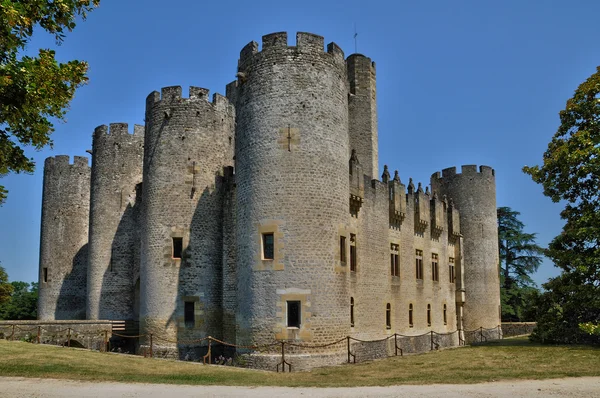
(572,387)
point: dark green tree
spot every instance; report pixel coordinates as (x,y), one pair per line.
(33,90)
(6,288)
(520,257)
(23,302)
(571,173)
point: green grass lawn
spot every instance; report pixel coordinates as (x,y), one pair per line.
(500,360)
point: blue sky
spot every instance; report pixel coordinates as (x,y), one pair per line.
(461,82)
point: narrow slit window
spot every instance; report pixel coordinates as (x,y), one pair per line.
(394,260)
(352,311)
(388,316)
(177,247)
(428,314)
(445,317)
(451,274)
(343,250)
(45,274)
(353,252)
(268,246)
(419,264)
(189,315)
(293,314)
(410,315)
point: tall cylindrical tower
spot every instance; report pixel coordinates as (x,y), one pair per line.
(362,112)
(474,195)
(114,240)
(188,142)
(292,190)
(64,237)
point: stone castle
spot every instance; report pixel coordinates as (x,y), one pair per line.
(259,216)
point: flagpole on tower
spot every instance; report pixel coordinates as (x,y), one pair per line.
(355,39)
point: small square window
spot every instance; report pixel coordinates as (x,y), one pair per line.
(189,314)
(177,247)
(268,246)
(293,314)
(45,274)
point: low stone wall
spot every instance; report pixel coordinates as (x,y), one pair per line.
(82,334)
(517,328)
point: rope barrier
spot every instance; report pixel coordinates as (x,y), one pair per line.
(316,346)
(481,334)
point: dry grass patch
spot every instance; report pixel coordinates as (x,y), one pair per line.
(503,360)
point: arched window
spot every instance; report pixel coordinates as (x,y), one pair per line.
(445,318)
(428,314)
(352,311)
(388,316)
(410,315)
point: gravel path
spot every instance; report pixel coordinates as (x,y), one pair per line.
(571,387)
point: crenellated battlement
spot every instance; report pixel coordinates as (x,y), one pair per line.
(467,170)
(278,42)
(63,161)
(173,94)
(118,130)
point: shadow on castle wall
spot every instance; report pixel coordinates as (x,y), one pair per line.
(200,277)
(117,292)
(71,302)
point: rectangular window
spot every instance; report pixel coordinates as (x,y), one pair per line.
(435,270)
(410,315)
(419,264)
(394,260)
(388,316)
(343,250)
(45,274)
(353,258)
(177,247)
(293,314)
(189,315)
(451,269)
(428,314)
(268,246)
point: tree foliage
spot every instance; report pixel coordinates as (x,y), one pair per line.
(22,304)
(520,256)
(6,288)
(33,90)
(571,173)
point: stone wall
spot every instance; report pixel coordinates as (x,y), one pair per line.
(517,328)
(88,334)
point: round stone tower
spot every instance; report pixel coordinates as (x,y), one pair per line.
(292,183)
(114,240)
(474,195)
(187,144)
(64,235)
